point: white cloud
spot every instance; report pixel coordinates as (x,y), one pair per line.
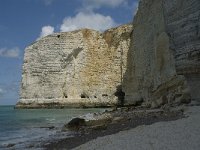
(92,4)
(12,53)
(87,17)
(46,30)
(87,20)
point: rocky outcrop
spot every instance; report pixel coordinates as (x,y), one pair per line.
(83,68)
(153,70)
(86,68)
(182,19)
(90,121)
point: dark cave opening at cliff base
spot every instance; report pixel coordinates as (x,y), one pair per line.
(83,95)
(120,95)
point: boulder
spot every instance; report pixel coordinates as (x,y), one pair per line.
(75,124)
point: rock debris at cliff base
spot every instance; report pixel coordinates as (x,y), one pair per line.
(110,123)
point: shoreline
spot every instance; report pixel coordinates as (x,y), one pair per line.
(131,119)
(181,134)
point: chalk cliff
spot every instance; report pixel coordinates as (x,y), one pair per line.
(83,68)
(182,18)
(166,46)
(155,62)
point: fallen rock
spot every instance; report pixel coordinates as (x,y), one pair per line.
(49,127)
(99,127)
(75,124)
(98,122)
(10,145)
(119,119)
(159,102)
(97,119)
(91,121)
(184,98)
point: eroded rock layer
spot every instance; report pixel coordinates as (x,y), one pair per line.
(152,77)
(156,63)
(83,68)
(182,19)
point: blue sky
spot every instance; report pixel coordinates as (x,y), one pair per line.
(24,21)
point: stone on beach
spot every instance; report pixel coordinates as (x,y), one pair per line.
(182,134)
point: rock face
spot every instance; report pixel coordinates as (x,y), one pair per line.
(83,68)
(155,63)
(156,58)
(182,19)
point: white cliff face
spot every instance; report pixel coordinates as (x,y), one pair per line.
(151,74)
(75,69)
(157,63)
(182,19)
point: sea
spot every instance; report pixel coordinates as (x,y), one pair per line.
(33,128)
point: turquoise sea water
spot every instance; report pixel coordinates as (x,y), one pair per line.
(28,128)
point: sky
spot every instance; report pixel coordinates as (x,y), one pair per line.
(24,21)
